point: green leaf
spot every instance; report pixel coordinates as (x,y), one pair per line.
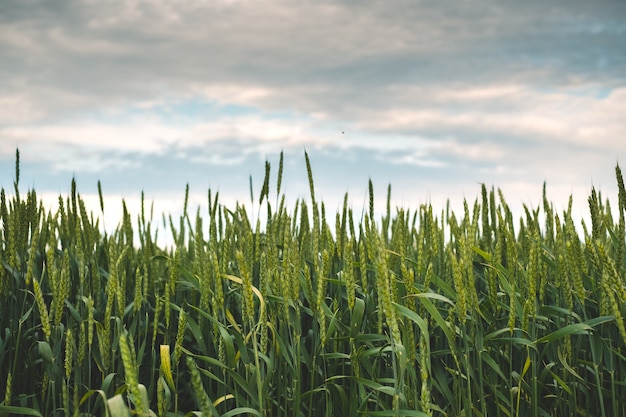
(357,317)
(486,256)
(237,378)
(371,384)
(242,410)
(19,411)
(434,313)
(493,365)
(561,383)
(413,316)
(575,328)
(117,407)
(46,352)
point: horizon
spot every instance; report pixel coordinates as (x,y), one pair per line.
(158,213)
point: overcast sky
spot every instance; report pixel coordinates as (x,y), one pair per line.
(434,97)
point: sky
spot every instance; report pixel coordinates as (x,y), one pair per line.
(432,97)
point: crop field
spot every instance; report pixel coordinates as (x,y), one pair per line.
(400,313)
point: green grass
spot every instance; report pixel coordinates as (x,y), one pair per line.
(407,313)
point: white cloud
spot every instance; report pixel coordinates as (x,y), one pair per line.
(83,145)
(18,109)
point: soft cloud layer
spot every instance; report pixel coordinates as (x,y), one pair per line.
(433,97)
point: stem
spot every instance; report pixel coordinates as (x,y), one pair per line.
(259,379)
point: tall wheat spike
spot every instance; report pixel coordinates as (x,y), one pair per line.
(131,375)
(8,389)
(69,352)
(43,309)
(196,382)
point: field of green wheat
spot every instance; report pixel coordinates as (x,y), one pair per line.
(401,313)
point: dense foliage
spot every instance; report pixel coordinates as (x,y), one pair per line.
(411,313)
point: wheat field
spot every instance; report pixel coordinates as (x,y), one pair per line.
(401,313)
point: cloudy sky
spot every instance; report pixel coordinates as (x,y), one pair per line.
(434,97)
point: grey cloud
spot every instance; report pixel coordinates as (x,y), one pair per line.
(309,54)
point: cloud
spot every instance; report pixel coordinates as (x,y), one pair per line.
(83,54)
(148,93)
